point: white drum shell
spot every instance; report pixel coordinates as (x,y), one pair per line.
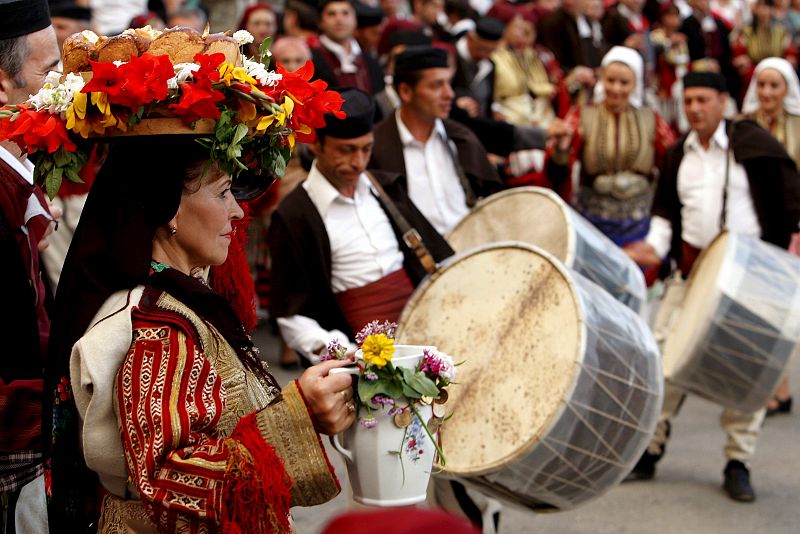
(599,427)
(735,349)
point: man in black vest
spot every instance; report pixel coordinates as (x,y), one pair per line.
(339,257)
(759,195)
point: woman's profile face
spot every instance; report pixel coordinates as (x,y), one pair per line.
(203,222)
(618,82)
(771,89)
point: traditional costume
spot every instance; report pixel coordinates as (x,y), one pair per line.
(161,405)
(338,262)
(786,126)
(619,156)
(475,77)
(755,192)
(445,175)
(24,218)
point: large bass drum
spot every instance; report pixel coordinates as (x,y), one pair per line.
(560,387)
(739,324)
(540,217)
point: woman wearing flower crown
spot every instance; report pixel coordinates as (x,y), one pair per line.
(773,101)
(162,406)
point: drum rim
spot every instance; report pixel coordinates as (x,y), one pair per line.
(711,305)
(551,420)
(528,189)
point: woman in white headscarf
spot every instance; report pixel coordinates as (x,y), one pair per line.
(773,101)
(620,144)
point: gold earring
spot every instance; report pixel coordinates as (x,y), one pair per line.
(173,230)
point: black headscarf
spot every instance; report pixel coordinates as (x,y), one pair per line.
(137,190)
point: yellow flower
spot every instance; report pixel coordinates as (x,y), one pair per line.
(82,121)
(228,73)
(378,349)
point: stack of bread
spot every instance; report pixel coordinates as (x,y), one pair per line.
(180,44)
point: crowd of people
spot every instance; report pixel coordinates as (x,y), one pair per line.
(660,122)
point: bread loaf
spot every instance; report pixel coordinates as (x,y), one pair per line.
(180,44)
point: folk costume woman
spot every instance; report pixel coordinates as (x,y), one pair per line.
(162,407)
(619,145)
(773,101)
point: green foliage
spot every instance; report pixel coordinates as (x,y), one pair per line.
(51,169)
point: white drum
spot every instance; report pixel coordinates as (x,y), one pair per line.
(739,324)
(540,217)
(560,387)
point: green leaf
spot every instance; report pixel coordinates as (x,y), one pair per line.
(263,49)
(279,165)
(53,183)
(240,132)
(73,176)
(62,157)
(420,383)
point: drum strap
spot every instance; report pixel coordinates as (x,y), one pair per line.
(410,234)
(724,216)
(462,176)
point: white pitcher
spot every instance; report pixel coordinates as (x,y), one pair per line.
(388,465)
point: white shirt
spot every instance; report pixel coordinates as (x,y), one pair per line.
(346,60)
(25,169)
(109,16)
(701,178)
(364,249)
(433,182)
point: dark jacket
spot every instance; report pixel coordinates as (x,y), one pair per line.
(480,173)
(301,255)
(558,31)
(771,174)
(699,49)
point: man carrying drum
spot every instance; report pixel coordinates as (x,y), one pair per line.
(721,175)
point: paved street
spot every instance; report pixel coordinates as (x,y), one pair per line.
(686,495)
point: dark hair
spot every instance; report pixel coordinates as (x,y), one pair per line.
(13,54)
(307,16)
(409,77)
(190,12)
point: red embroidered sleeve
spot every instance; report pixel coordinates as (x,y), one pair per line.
(665,138)
(191,480)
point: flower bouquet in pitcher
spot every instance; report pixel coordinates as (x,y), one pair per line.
(400,399)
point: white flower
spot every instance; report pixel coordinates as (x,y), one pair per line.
(118,63)
(243,37)
(259,72)
(183,73)
(54,96)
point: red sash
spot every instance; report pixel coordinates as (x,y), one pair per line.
(382,300)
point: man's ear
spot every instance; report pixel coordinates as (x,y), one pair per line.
(405,92)
(6,86)
(315,147)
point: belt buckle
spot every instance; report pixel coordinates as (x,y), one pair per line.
(412,238)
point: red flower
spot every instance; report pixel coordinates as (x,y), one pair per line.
(312,101)
(140,81)
(209,66)
(198,101)
(36,130)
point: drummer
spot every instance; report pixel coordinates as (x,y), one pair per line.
(338,258)
(755,192)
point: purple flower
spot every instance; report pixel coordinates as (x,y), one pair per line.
(369,375)
(334,351)
(383,400)
(395,411)
(375,327)
(368,422)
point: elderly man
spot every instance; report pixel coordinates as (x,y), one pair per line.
(445,167)
(340,256)
(28,51)
(755,192)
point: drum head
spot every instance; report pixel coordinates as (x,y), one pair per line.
(702,297)
(509,312)
(529,214)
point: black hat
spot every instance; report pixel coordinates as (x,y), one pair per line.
(489,28)
(410,38)
(69,10)
(22,17)
(359,111)
(416,58)
(713,80)
(368,16)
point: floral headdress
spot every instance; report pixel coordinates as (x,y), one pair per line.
(251,116)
